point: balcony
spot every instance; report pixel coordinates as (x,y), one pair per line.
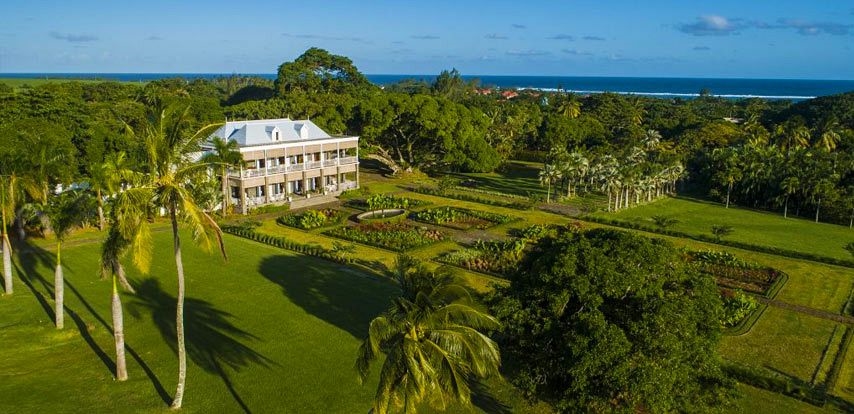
(348,160)
(330,163)
(313,165)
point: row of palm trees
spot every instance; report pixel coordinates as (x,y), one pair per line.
(641,173)
(159,182)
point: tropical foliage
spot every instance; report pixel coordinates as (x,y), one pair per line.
(433,341)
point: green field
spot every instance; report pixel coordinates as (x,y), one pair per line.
(19,82)
(265,330)
(754,227)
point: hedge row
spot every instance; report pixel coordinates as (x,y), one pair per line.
(471,197)
(781,385)
(531,156)
(731,243)
(283,243)
(491,192)
(833,376)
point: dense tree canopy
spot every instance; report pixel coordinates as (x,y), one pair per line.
(317,70)
(611,321)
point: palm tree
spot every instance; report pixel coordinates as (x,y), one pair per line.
(64,212)
(14,185)
(225,154)
(432,342)
(169,171)
(790,185)
(791,136)
(107,176)
(828,134)
(569,107)
(548,175)
(113,248)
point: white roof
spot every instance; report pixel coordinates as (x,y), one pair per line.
(262,131)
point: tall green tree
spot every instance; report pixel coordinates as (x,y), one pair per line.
(611,321)
(224,155)
(107,176)
(432,340)
(169,170)
(317,70)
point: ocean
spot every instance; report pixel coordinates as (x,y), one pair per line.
(787,89)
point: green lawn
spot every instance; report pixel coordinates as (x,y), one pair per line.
(788,343)
(759,401)
(755,227)
(267,331)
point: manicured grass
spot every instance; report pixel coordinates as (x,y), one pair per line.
(268,328)
(755,227)
(785,342)
(519,178)
(759,401)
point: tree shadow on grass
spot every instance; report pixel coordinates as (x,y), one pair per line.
(30,256)
(340,295)
(482,397)
(213,342)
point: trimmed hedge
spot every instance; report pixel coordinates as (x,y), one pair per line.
(781,385)
(833,375)
(283,243)
(471,197)
(731,243)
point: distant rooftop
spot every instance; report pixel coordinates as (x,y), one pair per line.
(270,131)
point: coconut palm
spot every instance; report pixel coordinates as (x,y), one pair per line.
(548,175)
(107,176)
(827,134)
(64,212)
(432,341)
(791,136)
(569,107)
(224,154)
(15,185)
(169,170)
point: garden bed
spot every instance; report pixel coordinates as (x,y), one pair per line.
(497,258)
(393,236)
(733,273)
(460,218)
(313,219)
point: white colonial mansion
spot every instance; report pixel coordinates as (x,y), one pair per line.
(288,160)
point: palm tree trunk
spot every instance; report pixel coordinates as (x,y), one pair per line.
(817,209)
(7,262)
(102,223)
(119,334)
(548,191)
(123,280)
(224,192)
(59,289)
(609,200)
(729,190)
(179,314)
(786,208)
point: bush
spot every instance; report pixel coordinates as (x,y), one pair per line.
(312,219)
(664,221)
(737,306)
(721,230)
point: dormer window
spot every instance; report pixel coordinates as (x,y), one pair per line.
(303,131)
(277,135)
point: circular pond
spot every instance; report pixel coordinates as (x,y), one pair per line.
(382,215)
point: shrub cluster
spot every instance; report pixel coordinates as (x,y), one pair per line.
(312,219)
(393,236)
(384,202)
(711,239)
(737,306)
(283,243)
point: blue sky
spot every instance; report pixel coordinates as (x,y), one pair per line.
(759,39)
